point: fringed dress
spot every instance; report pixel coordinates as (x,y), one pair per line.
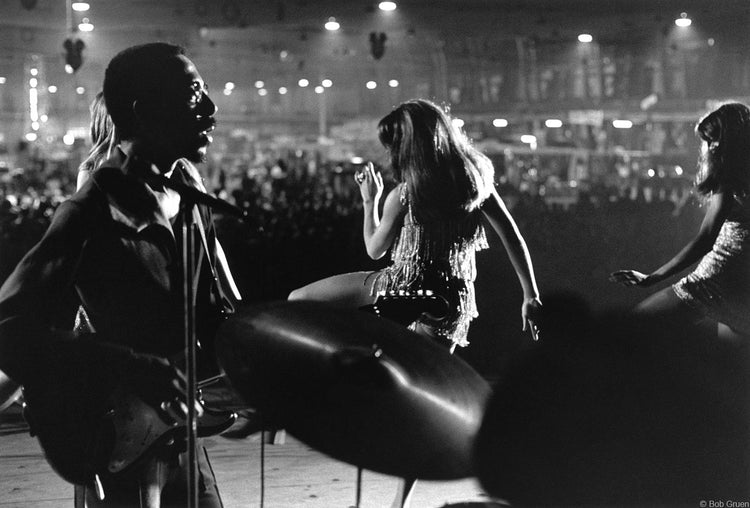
(440,257)
(719,287)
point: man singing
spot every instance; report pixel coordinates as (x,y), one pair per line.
(114,251)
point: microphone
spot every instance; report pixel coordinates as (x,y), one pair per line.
(193,195)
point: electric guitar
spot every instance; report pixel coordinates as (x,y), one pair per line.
(405,307)
(89,431)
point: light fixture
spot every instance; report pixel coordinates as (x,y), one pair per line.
(585,38)
(622,124)
(85,25)
(303,82)
(500,122)
(80,6)
(371,85)
(393,83)
(553,123)
(332,25)
(327,83)
(683,21)
(387,6)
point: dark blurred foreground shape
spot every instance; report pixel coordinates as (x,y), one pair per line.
(610,411)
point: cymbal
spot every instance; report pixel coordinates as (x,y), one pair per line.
(359,388)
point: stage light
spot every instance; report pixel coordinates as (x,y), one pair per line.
(80,6)
(622,124)
(585,38)
(52,89)
(387,6)
(69,139)
(553,123)
(259,84)
(33,82)
(371,85)
(44,118)
(457,123)
(80,90)
(34,71)
(332,25)
(262,92)
(683,21)
(327,83)
(35,126)
(227,91)
(303,82)
(319,89)
(31,136)
(678,170)
(393,83)
(85,25)
(500,122)
(229,85)
(283,90)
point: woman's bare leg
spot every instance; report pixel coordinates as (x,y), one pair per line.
(348,290)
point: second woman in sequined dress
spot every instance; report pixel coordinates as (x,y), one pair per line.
(719,287)
(432,224)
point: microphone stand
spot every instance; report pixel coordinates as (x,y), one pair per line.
(190,197)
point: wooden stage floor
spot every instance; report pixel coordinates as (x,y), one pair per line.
(296,476)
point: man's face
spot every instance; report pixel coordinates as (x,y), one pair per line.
(183,118)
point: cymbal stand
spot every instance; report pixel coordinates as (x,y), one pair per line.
(358,495)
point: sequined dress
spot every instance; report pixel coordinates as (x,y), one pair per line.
(720,285)
(440,257)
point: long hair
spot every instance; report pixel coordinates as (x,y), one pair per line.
(445,176)
(104,139)
(725,166)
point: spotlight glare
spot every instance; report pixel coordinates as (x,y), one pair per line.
(683,21)
(52,89)
(622,124)
(393,83)
(500,122)
(303,82)
(69,139)
(262,92)
(34,71)
(85,25)
(319,89)
(327,83)
(387,6)
(283,90)
(80,90)
(2,80)
(553,123)
(227,91)
(33,82)
(229,85)
(585,38)
(31,136)
(259,84)
(80,6)
(35,126)
(44,118)
(371,85)
(332,25)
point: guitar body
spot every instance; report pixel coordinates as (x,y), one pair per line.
(82,437)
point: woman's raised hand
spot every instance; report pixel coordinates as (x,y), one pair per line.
(370,183)
(631,278)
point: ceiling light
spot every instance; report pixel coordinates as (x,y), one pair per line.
(262,92)
(80,90)
(393,83)
(683,20)
(319,89)
(52,89)
(327,83)
(553,123)
(371,85)
(585,38)
(622,124)
(387,6)
(85,25)
(80,6)
(303,82)
(500,122)
(31,136)
(283,90)
(34,71)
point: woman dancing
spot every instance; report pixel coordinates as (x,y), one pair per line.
(432,223)
(719,287)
